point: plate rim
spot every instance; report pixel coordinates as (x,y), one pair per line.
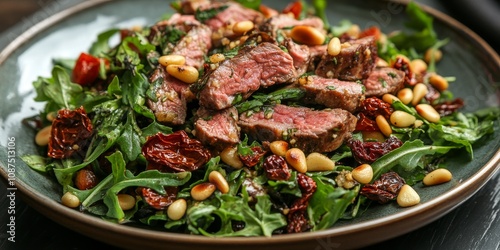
(432,209)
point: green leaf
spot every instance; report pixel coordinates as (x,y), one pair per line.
(59,90)
(207,14)
(155,128)
(320,11)
(251,4)
(100,47)
(36,162)
(130,140)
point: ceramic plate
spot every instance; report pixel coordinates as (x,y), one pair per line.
(475,65)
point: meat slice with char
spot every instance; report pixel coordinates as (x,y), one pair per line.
(195,45)
(254,67)
(384,81)
(332,93)
(219,128)
(300,54)
(355,62)
(304,128)
(282,21)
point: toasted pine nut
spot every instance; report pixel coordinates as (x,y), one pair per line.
(389,98)
(172,60)
(334,48)
(230,156)
(363,173)
(373,136)
(383,125)
(419,92)
(418,66)
(407,196)
(242,27)
(429,53)
(177,209)
(319,162)
(187,74)
(438,176)
(51,116)
(354,31)
(70,200)
(279,147)
(402,119)
(381,63)
(428,112)
(307,35)
(219,181)
(438,82)
(43,136)
(297,159)
(405,95)
(202,191)
(126,201)
(418,123)
(217,58)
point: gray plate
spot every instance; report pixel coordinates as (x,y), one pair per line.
(475,65)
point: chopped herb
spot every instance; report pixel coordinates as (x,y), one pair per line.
(331,87)
(383,82)
(204,15)
(392,75)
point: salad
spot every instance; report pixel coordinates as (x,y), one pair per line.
(230,118)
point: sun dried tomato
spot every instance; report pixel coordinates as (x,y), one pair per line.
(70,132)
(366,124)
(156,200)
(368,152)
(276,168)
(403,65)
(371,31)
(447,108)
(175,152)
(432,94)
(297,220)
(85,179)
(385,189)
(373,107)
(252,159)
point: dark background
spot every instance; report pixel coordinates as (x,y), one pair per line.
(473,225)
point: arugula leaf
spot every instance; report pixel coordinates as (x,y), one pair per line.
(320,11)
(130,140)
(36,162)
(101,46)
(205,15)
(59,90)
(251,4)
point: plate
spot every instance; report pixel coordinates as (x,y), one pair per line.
(66,34)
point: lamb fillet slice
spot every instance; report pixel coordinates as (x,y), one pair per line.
(217,128)
(384,81)
(254,67)
(304,128)
(195,45)
(332,93)
(273,24)
(300,54)
(354,62)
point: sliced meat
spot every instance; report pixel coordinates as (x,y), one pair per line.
(195,45)
(354,62)
(282,21)
(300,54)
(332,93)
(307,129)
(384,81)
(170,106)
(190,6)
(233,13)
(254,67)
(217,128)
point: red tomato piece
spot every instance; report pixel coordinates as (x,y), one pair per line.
(86,70)
(372,31)
(295,8)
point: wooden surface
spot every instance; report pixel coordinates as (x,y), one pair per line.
(473,225)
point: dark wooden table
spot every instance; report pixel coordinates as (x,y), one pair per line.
(473,225)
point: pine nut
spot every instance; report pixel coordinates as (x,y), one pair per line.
(438,176)
(126,201)
(70,200)
(297,159)
(418,66)
(429,53)
(202,191)
(319,162)
(373,136)
(407,196)
(354,31)
(217,58)
(43,136)
(418,123)
(402,119)
(219,181)
(438,82)
(307,35)
(177,209)
(390,98)
(51,116)
(428,112)
(242,27)
(381,63)
(172,60)
(405,95)
(230,156)
(419,92)
(383,125)
(187,74)
(334,48)
(363,173)
(279,147)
